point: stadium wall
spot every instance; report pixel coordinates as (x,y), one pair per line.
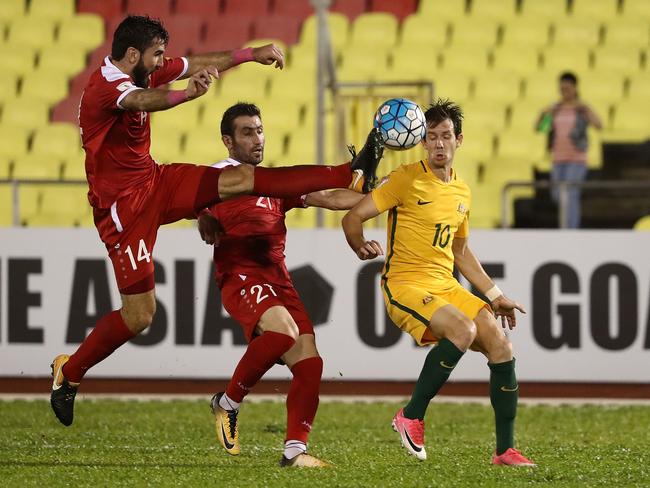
(587,294)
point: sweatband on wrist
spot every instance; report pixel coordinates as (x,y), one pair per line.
(493,293)
(240,56)
(176,97)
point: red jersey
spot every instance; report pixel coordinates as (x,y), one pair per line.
(117,141)
(255,235)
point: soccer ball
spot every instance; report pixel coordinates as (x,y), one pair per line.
(401,123)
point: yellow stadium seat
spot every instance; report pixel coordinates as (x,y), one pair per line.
(616,60)
(442,9)
(601,85)
(74,166)
(15,61)
(411,64)
(465,59)
(5,166)
(523,144)
(377,31)
(499,9)
(166,145)
(643,223)
(360,65)
(595,149)
(486,206)
(629,116)
(180,118)
(37,166)
(544,9)
(478,32)
(61,60)
(512,59)
(51,9)
(502,87)
(564,58)
(238,85)
(417,32)
(14,141)
(26,113)
(58,140)
(576,32)
(6,205)
(204,147)
(301,218)
(291,88)
(339,28)
(627,33)
(8,86)
(46,87)
(12,9)
(636,9)
(83,31)
(302,59)
(594,9)
(60,206)
(29,201)
(542,88)
(452,85)
(639,88)
(31,32)
(520,32)
(523,116)
(211,111)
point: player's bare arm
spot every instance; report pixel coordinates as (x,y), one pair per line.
(334,200)
(223,60)
(155,99)
(471,268)
(353,228)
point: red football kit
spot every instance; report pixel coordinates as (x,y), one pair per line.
(131,195)
(249,260)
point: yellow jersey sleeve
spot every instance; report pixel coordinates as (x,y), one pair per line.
(391,193)
(463,228)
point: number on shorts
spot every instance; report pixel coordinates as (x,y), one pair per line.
(143,254)
(264,202)
(257,289)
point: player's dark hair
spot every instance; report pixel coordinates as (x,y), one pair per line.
(443,109)
(137,31)
(238,110)
(570,77)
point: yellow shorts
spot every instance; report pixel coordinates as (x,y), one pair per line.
(411,305)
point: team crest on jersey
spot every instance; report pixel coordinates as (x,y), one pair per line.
(124,86)
(462,209)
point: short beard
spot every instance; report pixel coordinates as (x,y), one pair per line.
(140,75)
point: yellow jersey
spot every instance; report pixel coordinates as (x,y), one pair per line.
(425,215)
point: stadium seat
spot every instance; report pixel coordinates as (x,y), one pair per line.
(594,9)
(166,145)
(622,61)
(502,87)
(442,9)
(51,9)
(12,9)
(639,88)
(46,87)
(204,146)
(565,58)
(205,9)
(513,59)
(29,32)
(226,32)
(107,9)
(301,218)
(24,113)
(296,9)
(74,166)
(642,224)
(627,33)
(67,110)
(180,118)
(184,34)
(452,85)
(628,118)
(400,9)
(58,141)
(6,205)
(153,8)
(350,8)
(29,202)
(523,144)
(530,33)
(60,60)
(417,35)
(246,8)
(376,31)
(359,65)
(636,9)
(14,142)
(8,86)
(339,28)
(544,9)
(37,166)
(82,31)
(576,32)
(478,32)
(17,61)
(464,59)
(604,85)
(284,28)
(497,9)
(60,206)
(542,88)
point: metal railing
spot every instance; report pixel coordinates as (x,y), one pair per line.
(563,194)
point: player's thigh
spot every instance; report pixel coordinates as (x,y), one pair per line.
(184,189)
(304,348)
(451,323)
(237,180)
(491,339)
(277,319)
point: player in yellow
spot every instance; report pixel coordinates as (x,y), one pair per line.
(428,229)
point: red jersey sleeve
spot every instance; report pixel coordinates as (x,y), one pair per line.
(172,69)
(293,202)
(111,89)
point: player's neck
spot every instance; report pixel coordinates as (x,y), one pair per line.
(443,173)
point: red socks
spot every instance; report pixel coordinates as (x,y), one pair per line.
(294,181)
(260,356)
(302,401)
(109,334)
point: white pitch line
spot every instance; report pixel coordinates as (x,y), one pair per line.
(257,398)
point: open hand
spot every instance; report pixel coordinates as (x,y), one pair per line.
(269,54)
(505,308)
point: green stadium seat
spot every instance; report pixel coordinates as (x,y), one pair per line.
(376,31)
(594,9)
(51,9)
(47,87)
(15,61)
(12,9)
(83,31)
(627,33)
(61,60)
(576,32)
(37,167)
(59,140)
(14,141)
(25,113)
(29,32)
(497,9)
(544,9)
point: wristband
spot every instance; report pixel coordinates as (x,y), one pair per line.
(176,97)
(493,293)
(240,56)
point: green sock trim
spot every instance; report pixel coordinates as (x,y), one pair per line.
(504,395)
(438,365)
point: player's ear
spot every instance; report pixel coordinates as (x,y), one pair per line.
(459,140)
(132,55)
(227,141)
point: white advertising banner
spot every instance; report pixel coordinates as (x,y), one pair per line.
(587,294)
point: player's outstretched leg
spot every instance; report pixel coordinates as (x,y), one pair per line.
(411,432)
(63,391)
(226,425)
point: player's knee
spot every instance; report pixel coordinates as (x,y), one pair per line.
(138,320)
(287,327)
(462,332)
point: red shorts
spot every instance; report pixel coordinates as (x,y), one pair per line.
(130,227)
(247,300)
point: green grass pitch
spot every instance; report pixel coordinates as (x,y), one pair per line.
(172,443)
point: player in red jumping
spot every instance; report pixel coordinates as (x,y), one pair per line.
(249,235)
(132,196)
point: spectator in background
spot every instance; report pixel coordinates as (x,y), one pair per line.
(566,122)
